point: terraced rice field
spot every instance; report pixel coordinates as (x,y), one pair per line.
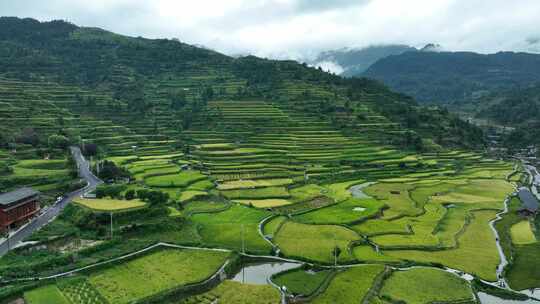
(351,285)
(302,282)
(522,233)
(151,274)
(110,205)
(262,159)
(235,292)
(426,285)
(315,242)
(45,295)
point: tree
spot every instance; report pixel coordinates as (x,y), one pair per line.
(109,171)
(130,194)
(58,141)
(4,140)
(156,197)
(89,149)
(178,99)
(28,136)
(142,194)
(208,93)
(113,191)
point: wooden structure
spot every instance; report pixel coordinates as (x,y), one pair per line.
(17,207)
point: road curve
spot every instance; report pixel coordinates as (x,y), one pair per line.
(51,213)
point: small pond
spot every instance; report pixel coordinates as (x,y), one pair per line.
(357,190)
(490,299)
(259,273)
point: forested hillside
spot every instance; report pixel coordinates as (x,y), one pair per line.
(211,165)
(518,108)
(441,77)
(166,84)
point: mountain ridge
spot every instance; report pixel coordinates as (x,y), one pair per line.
(131,73)
(441,77)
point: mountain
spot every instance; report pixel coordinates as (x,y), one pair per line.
(442,77)
(167,84)
(432,47)
(212,163)
(352,62)
(518,108)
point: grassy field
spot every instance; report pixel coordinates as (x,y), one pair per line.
(151,274)
(49,294)
(203,206)
(522,233)
(350,286)
(422,229)
(247,184)
(265,203)
(79,291)
(229,227)
(181,179)
(237,293)
(268,158)
(477,251)
(396,196)
(259,193)
(345,212)
(424,286)
(307,192)
(525,270)
(315,242)
(110,205)
(300,281)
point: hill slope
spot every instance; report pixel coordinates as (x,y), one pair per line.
(446,76)
(518,108)
(166,83)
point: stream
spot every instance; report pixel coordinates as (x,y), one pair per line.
(500,268)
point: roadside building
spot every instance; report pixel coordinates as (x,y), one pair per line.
(529,203)
(17,207)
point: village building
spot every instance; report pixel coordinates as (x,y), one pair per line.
(17,207)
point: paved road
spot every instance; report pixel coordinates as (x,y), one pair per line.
(47,216)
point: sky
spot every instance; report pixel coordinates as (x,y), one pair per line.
(299,29)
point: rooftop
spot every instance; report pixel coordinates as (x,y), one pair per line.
(16,195)
(528,200)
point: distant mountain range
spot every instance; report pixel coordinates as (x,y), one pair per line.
(443,77)
(352,62)
(501,88)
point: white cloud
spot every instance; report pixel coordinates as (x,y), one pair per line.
(299,28)
(330,66)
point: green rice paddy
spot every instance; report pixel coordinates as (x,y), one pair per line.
(152,273)
(268,159)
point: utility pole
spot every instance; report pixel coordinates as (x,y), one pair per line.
(335,251)
(7,240)
(243,242)
(243,251)
(111,226)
